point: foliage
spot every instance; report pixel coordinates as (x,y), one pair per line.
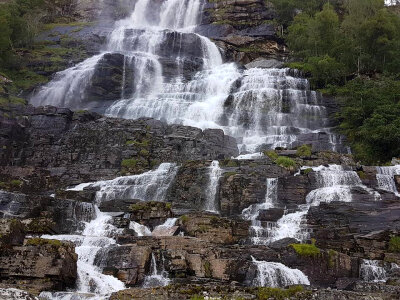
(271,154)
(394,244)
(304,151)
(265,293)
(370,118)
(129,163)
(306,249)
(41,242)
(285,162)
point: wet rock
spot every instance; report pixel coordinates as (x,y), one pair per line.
(15,294)
(271,215)
(150,214)
(39,265)
(12,233)
(264,63)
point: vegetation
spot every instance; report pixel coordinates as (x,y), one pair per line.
(285,162)
(304,151)
(394,244)
(306,249)
(271,154)
(41,242)
(350,49)
(265,293)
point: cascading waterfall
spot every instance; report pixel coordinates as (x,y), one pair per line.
(215,173)
(273,274)
(156,278)
(385,178)
(257,231)
(171,73)
(334,183)
(98,233)
(142,230)
(152,185)
(375,270)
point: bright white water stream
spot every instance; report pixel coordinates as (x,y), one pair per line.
(179,76)
(385,178)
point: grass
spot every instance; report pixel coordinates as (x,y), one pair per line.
(129,163)
(41,242)
(306,249)
(265,293)
(285,162)
(271,154)
(304,151)
(394,244)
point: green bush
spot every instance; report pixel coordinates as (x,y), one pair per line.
(266,293)
(306,249)
(285,162)
(304,151)
(271,154)
(394,244)
(129,163)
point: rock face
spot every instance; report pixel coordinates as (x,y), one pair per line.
(79,147)
(38,265)
(242,30)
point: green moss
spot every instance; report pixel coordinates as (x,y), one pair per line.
(184,219)
(271,154)
(306,249)
(168,205)
(41,242)
(265,293)
(144,152)
(361,174)
(3,185)
(197,297)
(229,174)
(304,151)
(129,163)
(394,244)
(332,254)
(285,162)
(207,269)
(307,171)
(16,183)
(230,163)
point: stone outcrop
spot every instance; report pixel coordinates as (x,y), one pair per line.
(51,147)
(38,265)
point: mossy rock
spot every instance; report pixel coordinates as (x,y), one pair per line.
(306,249)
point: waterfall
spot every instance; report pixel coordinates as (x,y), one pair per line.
(385,178)
(375,270)
(96,236)
(273,274)
(258,232)
(215,173)
(334,184)
(169,72)
(156,278)
(98,233)
(160,230)
(149,186)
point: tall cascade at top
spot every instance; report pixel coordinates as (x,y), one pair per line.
(155,65)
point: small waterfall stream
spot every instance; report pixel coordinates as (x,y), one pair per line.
(385,178)
(273,274)
(98,233)
(157,277)
(215,173)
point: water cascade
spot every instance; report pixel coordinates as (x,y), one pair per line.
(98,233)
(169,72)
(215,173)
(258,232)
(385,178)
(334,184)
(273,274)
(152,185)
(156,278)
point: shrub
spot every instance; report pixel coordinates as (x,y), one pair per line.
(129,163)
(285,162)
(307,171)
(271,154)
(265,293)
(306,249)
(304,151)
(394,244)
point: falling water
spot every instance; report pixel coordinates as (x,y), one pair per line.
(171,73)
(149,186)
(273,274)
(385,178)
(335,184)
(258,232)
(98,233)
(211,192)
(156,278)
